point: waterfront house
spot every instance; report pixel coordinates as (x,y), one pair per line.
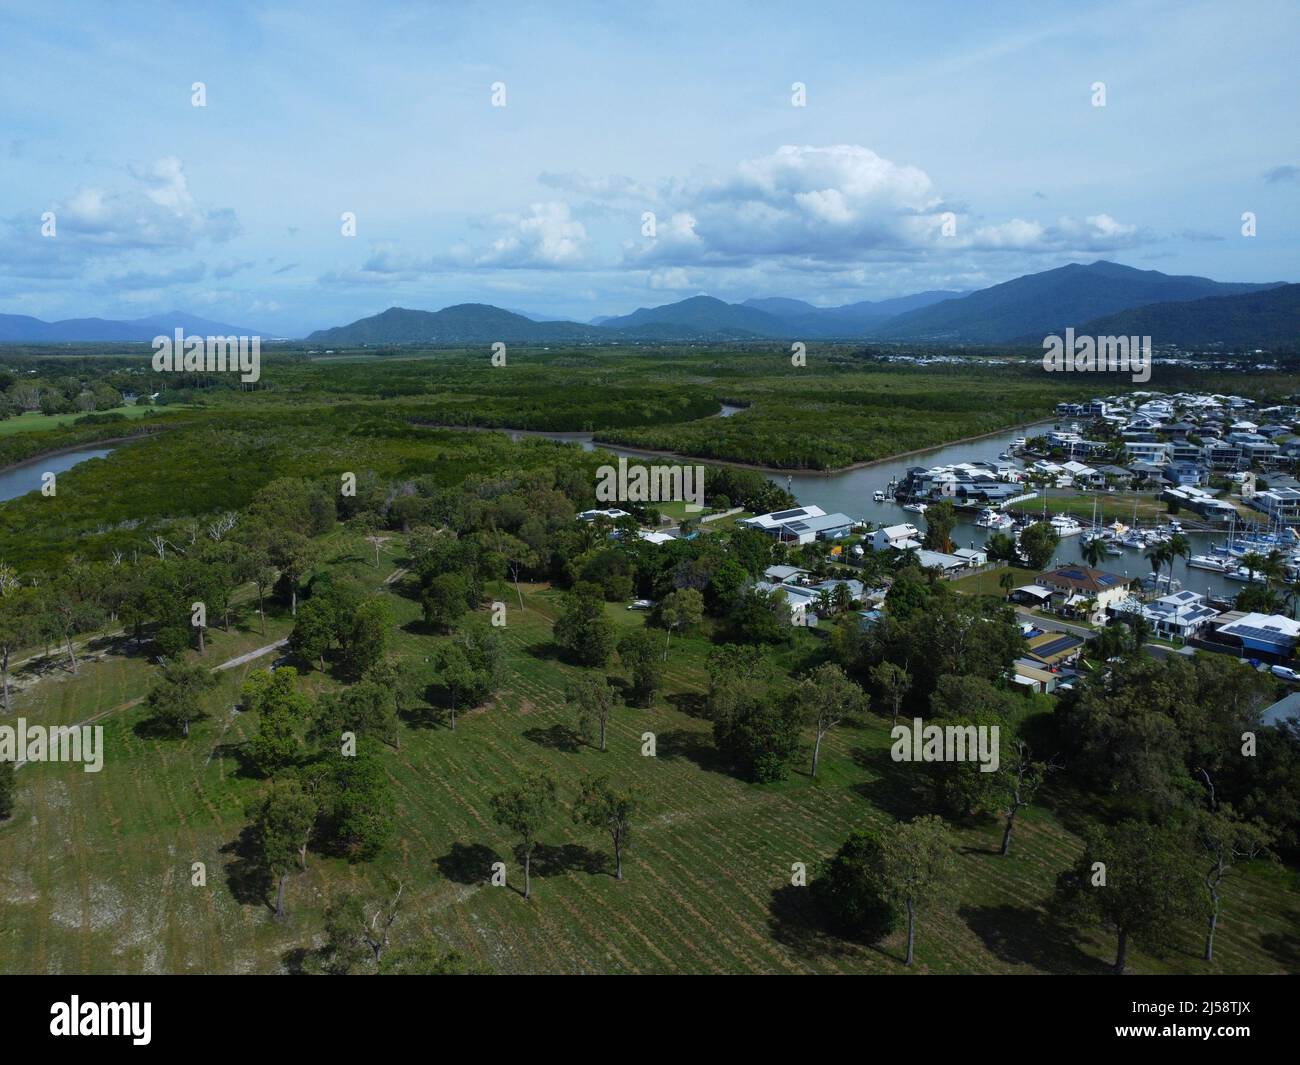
(1280,503)
(1074,586)
(1182,614)
(1271,637)
(801,525)
(898,537)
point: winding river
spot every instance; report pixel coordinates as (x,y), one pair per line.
(26,476)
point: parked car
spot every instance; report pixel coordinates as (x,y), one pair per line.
(1287,674)
(641,604)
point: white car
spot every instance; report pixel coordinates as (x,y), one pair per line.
(641,604)
(1286,674)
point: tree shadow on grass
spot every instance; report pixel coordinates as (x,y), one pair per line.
(1021,935)
(695,747)
(555,860)
(1285,946)
(238,753)
(557,737)
(467,863)
(248,880)
(692,704)
(428,716)
(796,921)
(545,650)
(153,728)
(900,789)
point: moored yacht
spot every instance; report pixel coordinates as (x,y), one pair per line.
(992,519)
(1066,525)
(1241,573)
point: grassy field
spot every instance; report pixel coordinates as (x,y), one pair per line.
(32,422)
(1110,507)
(95,868)
(986,583)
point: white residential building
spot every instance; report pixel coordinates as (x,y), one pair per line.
(898,537)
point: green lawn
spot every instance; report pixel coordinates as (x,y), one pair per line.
(32,421)
(95,869)
(1109,507)
(986,583)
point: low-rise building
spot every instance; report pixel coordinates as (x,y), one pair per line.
(1280,503)
(1269,636)
(801,525)
(899,537)
(1077,587)
(1180,615)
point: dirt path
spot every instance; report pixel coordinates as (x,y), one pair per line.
(230,664)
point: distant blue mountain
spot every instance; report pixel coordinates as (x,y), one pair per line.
(21,329)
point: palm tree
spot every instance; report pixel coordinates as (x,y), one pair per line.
(1274,568)
(1094,551)
(1006,582)
(842,598)
(1179,547)
(1253,562)
(1158,555)
(1141,629)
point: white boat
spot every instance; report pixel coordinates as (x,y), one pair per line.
(1241,573)
(1214,563)
(1161,582)
(878,496)
(1066,525)
(915,508)
(992,519)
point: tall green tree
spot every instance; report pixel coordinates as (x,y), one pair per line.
(680,611)
(603,806)
(525,809)
(1134,879)
(640,656)
(828,697)
(940,520)
(1038,543)
(282,715)
(917,859)
(282,824)
(849,891)
(1226,842)
(594,701)
(892,683)
(176,697)
(582,631)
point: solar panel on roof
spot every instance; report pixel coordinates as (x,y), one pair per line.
(1254,632)
(798,513)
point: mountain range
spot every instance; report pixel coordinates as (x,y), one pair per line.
(1099,298)
(20,329)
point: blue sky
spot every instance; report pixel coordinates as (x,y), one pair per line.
(975,115)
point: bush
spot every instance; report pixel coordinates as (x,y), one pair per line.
(847,893)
